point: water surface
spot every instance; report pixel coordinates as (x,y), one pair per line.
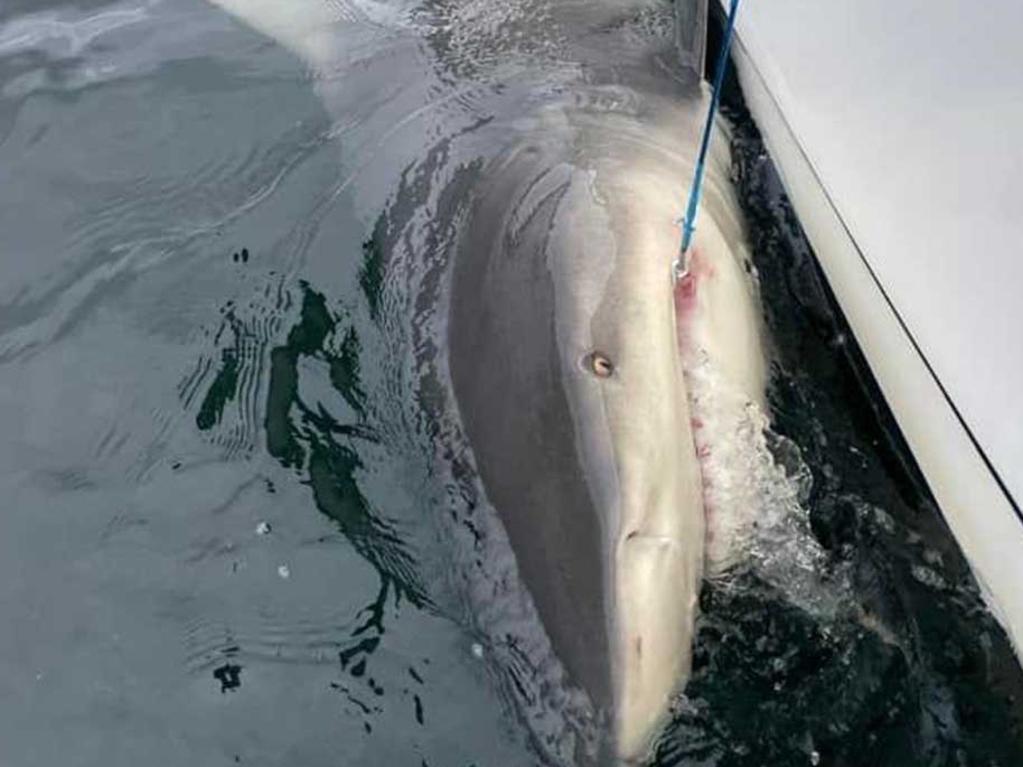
(238,521)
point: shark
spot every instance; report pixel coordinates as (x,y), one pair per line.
(596,386)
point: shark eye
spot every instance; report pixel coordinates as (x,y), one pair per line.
(599,364)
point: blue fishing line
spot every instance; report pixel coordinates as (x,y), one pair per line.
(689,222)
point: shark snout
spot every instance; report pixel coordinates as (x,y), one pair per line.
(658,568)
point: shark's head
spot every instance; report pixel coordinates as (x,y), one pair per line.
(565,358)
(564,334)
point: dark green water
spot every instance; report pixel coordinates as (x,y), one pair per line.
(238,521)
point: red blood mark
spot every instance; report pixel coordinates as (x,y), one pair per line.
(708,516)
(685,302)
(686,296)
(687,287)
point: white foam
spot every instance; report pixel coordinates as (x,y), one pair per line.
(756,514)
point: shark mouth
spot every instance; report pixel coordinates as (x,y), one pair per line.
(754,503)
(728,422)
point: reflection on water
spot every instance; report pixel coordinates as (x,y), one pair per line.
(239,522)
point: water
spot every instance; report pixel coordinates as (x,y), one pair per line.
(875,648)
(239,521)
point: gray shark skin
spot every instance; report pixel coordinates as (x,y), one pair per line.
(566,260)
(569,347)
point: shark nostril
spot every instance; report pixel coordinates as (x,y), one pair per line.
(599,364)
